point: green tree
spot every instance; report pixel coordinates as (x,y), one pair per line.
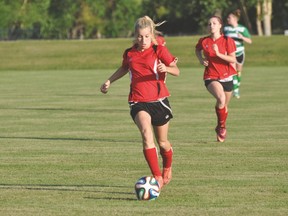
(77,19)
(94,18)
(61,15)
(121,16)
(280,16)
(185,16)
(6,19)
(21,19)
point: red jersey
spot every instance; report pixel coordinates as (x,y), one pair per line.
(217,68)
(161,40)
(146,83)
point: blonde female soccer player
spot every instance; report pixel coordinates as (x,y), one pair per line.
(148,65)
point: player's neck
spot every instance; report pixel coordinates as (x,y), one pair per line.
(234,25)
(215,36)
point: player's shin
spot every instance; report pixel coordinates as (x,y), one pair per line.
(221,116)
(167,157)
(151,157)
(167,165)
(239,77)
(236,92)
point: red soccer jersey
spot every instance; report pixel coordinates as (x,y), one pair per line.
(161,40)
(217,68)
(146,83)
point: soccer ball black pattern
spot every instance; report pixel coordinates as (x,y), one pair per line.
(147,188)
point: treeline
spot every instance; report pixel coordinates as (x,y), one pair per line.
(87,19)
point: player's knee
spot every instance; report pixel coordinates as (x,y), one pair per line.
(164,144)
(221,102)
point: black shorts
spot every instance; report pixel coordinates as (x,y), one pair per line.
(240,59)
(227,86)
(160,111)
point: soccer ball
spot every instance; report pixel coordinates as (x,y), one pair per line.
(147,188)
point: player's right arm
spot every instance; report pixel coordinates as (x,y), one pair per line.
(202,60)
(199,53)
(117,75)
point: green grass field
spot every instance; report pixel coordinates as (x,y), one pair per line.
(66,149)
(107,53)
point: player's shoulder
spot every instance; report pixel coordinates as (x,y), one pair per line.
(161,40)
(228,28)
(228,39)
(160,49)
(241,28)
(129,50)
(204,39)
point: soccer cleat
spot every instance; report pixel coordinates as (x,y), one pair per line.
(221,133)
(167,175)
(159,180)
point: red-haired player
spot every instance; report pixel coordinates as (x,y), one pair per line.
(217,54)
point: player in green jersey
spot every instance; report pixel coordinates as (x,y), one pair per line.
(240,34)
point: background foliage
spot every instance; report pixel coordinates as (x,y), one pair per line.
(78,19)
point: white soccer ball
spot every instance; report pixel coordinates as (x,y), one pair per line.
(147,188)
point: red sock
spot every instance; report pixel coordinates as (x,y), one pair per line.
(226,115)
(167,157)
(152,160)
(221,116)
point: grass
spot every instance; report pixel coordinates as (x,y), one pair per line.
(66,149)
(106,53)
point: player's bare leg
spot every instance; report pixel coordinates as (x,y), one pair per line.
(221,108)
(143,121)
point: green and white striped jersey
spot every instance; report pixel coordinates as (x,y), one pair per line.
(232,32)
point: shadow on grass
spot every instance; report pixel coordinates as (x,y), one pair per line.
(111,198)
(106,110)
(105,189)
(70,139)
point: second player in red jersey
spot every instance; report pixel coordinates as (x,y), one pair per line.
(218,68)
(217,54)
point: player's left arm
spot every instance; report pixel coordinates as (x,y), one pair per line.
(245,36)
(245,39)
(229,57)
(172,68)
(167,62)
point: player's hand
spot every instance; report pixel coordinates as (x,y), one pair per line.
(240,36)
(215,48)
(161,67)
(104,87)
(205,62)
